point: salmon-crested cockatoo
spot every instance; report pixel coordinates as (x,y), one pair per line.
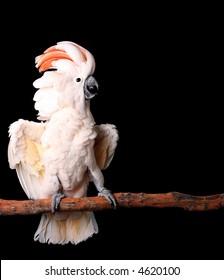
(64,150)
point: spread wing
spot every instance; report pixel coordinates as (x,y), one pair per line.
(25,154)
(105,144)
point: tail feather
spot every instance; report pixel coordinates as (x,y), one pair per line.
(65,228)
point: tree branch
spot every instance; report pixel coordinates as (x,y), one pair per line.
(128,200)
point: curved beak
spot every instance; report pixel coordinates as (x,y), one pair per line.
(90,87)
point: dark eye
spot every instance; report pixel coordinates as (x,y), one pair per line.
(78,80)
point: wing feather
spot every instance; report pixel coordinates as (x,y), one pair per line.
(105,144)
(25,155)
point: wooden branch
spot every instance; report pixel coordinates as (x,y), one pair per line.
(171,199)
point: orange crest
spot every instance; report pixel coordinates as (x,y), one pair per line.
(44,61)
(64,50)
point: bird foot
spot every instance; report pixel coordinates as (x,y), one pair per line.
(56,199)
(108,195)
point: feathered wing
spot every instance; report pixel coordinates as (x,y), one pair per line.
(25,155)
(105,144)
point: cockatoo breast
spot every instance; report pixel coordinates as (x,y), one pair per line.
(67,140)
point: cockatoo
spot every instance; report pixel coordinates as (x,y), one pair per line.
(64,150)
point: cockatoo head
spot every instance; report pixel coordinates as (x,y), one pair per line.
(70,82)
(70,58)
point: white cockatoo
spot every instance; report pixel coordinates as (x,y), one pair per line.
(59,154)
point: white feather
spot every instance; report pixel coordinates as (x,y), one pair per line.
(72,50)
(46,102)
(48,79)
(66,66)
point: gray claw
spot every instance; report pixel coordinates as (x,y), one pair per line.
(108,195)
(56,199)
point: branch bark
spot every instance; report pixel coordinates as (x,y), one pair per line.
(127,200)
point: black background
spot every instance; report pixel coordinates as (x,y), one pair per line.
(160,81)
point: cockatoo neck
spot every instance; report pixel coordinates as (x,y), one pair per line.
(82,108)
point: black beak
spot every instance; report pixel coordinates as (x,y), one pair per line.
(90,87)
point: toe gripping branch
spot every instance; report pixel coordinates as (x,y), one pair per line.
(108,195)
(56,199)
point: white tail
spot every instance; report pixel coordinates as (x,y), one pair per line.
(62,228)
